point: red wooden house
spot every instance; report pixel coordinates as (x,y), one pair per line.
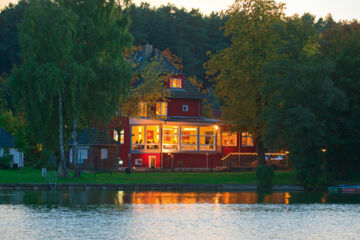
(179,136)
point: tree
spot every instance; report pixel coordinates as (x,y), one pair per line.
(340,43)
(100,75)
(302,100)
(39,84)
(238,69)
(9,42)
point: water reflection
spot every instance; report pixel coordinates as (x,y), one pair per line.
(177,215)
(119,198)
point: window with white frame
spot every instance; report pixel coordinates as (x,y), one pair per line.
(138,161)
(137,137)
(189,138)
(104,153)
(161,109)
(116,136)
(171,137)
(152,137)
(207,138)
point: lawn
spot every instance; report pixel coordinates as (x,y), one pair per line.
(29,175)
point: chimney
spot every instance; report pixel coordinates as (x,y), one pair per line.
(148,51)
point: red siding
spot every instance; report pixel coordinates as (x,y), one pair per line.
(175,107)
(145,160)
(124,149)
(192,160)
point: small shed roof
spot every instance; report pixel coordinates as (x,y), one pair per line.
(93,136)
(6,139)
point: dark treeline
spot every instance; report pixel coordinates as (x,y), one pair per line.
(187,34)
(294,83)
(297,87)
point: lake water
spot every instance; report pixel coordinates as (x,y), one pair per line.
(178,215)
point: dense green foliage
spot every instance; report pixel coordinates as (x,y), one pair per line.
(238,69)
(188,34)
(264,176)
(72,60)
(303,91)
(5,160)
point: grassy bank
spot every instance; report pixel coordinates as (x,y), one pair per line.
(29,175)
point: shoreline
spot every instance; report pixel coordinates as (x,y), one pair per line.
(164,187)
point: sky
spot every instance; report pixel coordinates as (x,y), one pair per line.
(339,9)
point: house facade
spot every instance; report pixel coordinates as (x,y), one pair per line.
(173,135)
(179,136)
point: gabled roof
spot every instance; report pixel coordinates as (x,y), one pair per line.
(147,54)
(6,140)
(189,91)
(93,136)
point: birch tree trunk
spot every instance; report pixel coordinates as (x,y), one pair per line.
(75,149)
(62,172)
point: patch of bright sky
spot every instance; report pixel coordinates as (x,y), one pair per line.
(339,9)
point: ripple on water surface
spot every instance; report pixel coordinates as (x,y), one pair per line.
(163,218)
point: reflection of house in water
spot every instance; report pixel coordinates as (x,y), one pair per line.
(193,197)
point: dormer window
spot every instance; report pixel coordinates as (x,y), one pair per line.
(175,83)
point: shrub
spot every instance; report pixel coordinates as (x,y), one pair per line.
(6,160)
(264,175)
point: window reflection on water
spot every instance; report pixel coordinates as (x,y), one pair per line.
(95,197)
(113,197)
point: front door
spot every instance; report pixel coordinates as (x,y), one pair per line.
(152,161)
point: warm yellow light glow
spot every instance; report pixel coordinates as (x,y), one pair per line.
(287,198)
(189,129)
(287,152)
(216,127)
(39,147)
(323,150)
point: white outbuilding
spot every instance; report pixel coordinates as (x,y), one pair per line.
(7,144)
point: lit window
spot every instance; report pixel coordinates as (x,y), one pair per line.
(207,138)
(161,108)
(142,109)
(104,153)
(189,138)
(171,137)
(116,136)
(229,139)
(246,139)
(138,161)
(152,137)
(138,137)
(175,82)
